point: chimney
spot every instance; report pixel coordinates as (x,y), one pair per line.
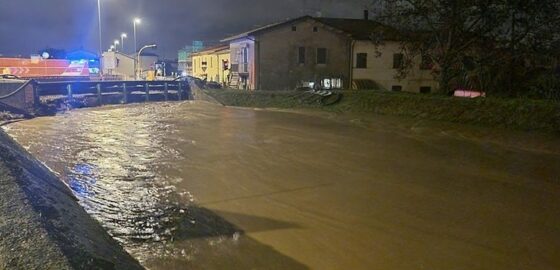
(366,14)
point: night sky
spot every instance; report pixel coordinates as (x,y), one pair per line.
(28,26)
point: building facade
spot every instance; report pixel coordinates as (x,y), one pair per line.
(118,65)
(212,64)
(122,66)
(326,53)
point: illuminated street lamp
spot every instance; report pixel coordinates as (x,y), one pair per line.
(139,71)
(136,22)
(116,43)
(99,20)
(123,36)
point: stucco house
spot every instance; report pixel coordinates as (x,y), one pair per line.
(212,64)
(330,52)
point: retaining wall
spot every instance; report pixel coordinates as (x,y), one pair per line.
(41,224)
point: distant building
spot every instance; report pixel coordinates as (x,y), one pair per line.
(212,64)
(118,65)
(185,57)
(122,66)
(326,52)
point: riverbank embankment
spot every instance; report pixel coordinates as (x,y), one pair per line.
(518,114)
(41,224)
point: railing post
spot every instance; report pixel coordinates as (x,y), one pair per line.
(69,90)
(179,91)
(147,86)
(99,94)
(125,94)
(165,91)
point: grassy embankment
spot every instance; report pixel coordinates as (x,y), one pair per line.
(522,114)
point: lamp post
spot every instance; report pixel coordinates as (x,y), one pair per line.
(135,22)
(138,59)
(100,39)
(99,21)
(116,43)
(123,36)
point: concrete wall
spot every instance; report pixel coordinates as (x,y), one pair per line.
(41,224)
(278,66)
(380,68)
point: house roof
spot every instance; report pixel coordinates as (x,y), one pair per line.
(358,29)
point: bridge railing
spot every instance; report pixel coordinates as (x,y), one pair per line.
(178,89)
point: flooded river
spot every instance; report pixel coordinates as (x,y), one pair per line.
(198,186)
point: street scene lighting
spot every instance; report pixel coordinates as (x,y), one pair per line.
(136,22)
(116,43)
(139,71)
(123,36)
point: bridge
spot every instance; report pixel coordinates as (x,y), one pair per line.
(26,96)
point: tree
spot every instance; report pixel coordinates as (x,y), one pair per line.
(484,44)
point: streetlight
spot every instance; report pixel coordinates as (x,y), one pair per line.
(123,36)
(138,58)
(116,43)
(112,48)
(100,40)
(99,20)
(136,22)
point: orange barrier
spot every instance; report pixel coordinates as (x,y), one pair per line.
(39,68)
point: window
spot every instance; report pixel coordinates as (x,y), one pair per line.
(245,55)
(315,29)
(294,28)
(425,89)
(321,56)
(396,88)
(398,60)
(426,62)
(361,60)
(301,55)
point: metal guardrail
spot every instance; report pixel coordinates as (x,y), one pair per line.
(71,88)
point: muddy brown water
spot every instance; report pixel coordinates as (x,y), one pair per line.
(192,185)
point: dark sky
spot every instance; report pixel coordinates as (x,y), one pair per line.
(27,26)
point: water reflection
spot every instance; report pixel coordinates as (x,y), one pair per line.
(116,161)
(195,186)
